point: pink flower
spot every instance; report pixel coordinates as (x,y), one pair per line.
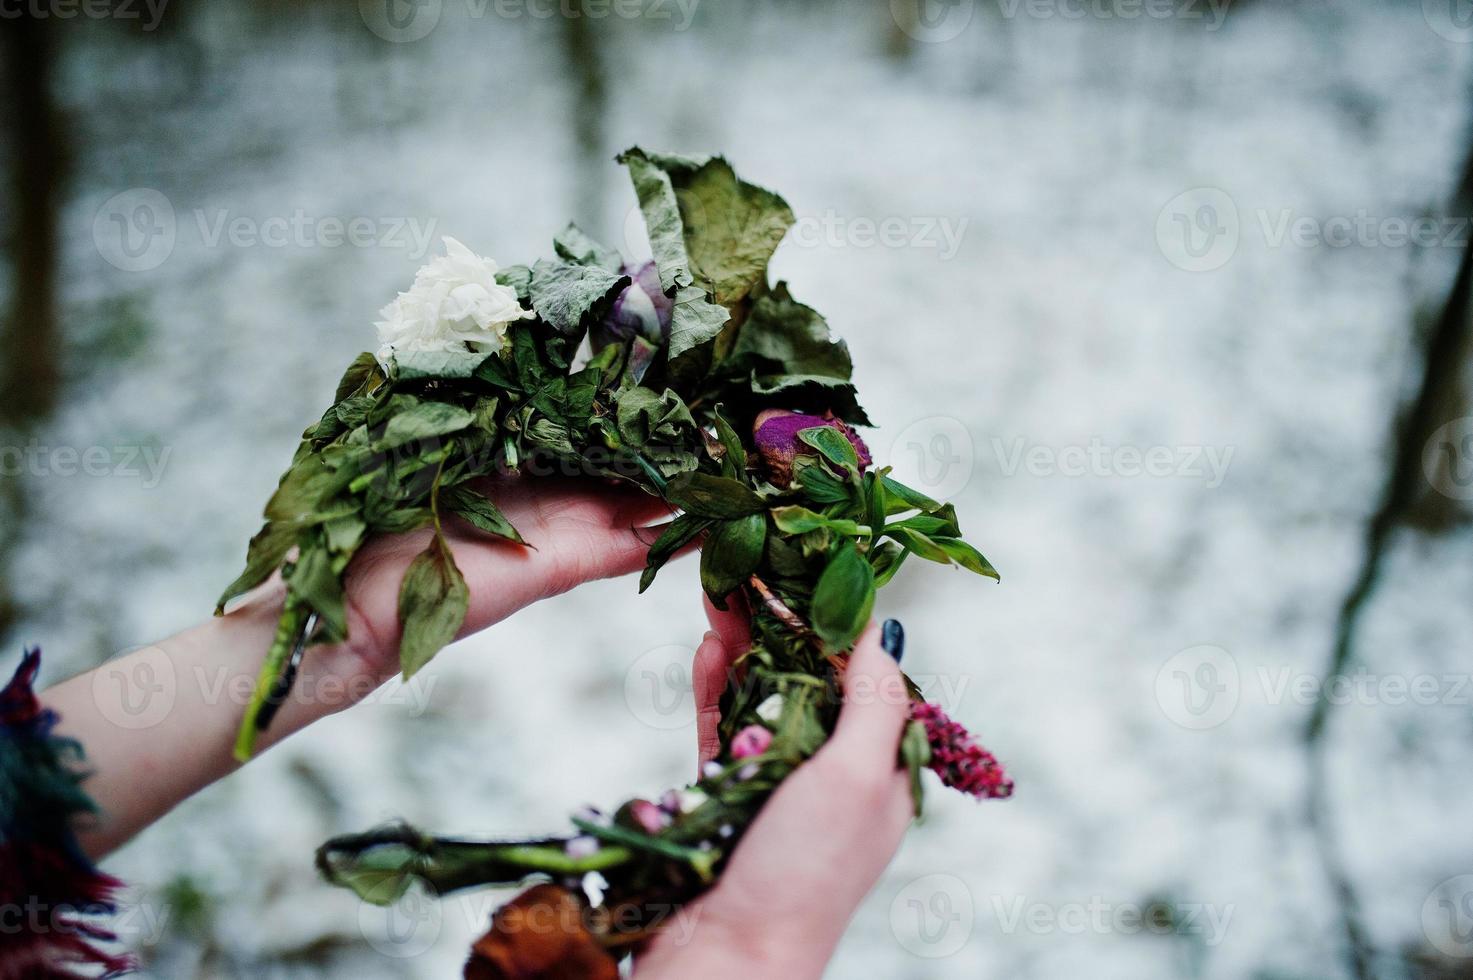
(750,741)
(776,434)
(956,757)
(650,818)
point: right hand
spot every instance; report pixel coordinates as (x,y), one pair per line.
(817,846)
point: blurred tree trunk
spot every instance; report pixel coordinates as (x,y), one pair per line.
(590,105)
(31,340)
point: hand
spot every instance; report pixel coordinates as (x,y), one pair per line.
(819,844)
(579,529)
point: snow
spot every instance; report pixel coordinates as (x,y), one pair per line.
(1059,327)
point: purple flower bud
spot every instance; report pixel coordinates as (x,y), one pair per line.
(776,434)
(712,769)
(750,741)
(641,310)
(748,771)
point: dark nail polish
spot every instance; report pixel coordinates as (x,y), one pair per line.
(892,638)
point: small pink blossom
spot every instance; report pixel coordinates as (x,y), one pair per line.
(650,818)
(750,741)
(956,757)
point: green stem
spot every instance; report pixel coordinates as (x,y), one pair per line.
(288,632)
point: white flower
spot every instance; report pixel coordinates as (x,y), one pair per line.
(690,799)
(455,304)
(771,709)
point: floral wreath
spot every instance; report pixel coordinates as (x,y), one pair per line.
(705,385)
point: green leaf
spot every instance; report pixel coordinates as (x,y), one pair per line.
(809,392)
(694,321)
(478,511)
(571,297)
(572,244)
(886,557)
(818,484)
(919,543)
(426,420)
(662,219)
(306,492)
(730,554)
(359,375)
(801,520)
(264,555)
(677,535)
(782,336)
(833,445)
(900,498)
(942,522)
(728,227)
(734,457)
(915,755)
(712,496)
(843,597)
(518,277)
(317,581)
(432,603)
(967,557)
(415,365)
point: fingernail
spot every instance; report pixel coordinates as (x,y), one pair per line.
(892,638)
(711,635)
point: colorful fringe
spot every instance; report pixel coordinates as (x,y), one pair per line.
(50,893)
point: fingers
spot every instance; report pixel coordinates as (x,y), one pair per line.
(876,705)
(733,624)
(709,672)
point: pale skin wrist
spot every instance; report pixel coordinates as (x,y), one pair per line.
(158,723)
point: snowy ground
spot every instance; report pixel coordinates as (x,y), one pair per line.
(1037,330)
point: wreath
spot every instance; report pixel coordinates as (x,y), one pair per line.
(699,382)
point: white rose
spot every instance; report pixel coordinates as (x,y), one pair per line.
(455,304)
(771,709)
